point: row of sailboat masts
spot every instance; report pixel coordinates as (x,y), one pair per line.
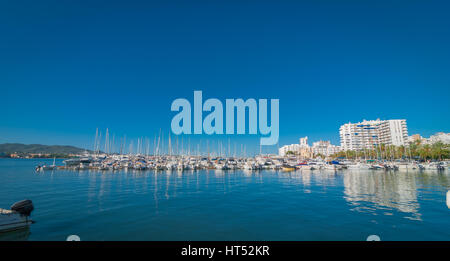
(143,146)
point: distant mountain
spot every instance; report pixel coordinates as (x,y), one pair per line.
(39,148)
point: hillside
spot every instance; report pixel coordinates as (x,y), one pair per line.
(38,148)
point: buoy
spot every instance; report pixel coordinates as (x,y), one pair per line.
(448,199)
(73,238)
(373,238)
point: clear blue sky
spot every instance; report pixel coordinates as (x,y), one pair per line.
(68,67)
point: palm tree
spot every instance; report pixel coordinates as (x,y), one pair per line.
(437,150)
(425,151)
(400,151)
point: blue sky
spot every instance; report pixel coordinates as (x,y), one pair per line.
(69,67)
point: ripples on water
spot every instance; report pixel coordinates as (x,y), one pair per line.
(228,205)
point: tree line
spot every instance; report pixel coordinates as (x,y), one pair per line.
(416,150)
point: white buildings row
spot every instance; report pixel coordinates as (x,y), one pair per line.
(302,149)
(363,135)
(438,137)
(292,147)
(324,148)
(369,134)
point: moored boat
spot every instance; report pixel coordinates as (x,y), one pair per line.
(288,168)
(17,217)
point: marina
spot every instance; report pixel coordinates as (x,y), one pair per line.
(260,162)
(213,194)
(313,201)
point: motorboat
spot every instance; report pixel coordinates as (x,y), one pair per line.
(377,166)
(17,217)
(329,167)
(288,167)
(249,166)
(78,161)
(433,166)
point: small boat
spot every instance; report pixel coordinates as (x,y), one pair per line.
(377,166)
(310,167)
(50,167)
(354,166)
(300,165)
(17,217)
(249,166)
(433,166)
(330,167)
(39,168)
(288,168)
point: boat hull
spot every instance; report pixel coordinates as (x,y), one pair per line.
(10,221)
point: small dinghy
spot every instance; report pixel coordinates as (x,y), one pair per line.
(39,168)
(17,217)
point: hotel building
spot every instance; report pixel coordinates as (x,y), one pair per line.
(369,134)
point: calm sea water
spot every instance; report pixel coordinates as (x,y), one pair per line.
(233,205)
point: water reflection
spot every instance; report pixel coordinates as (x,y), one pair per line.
(392,190)
(16,235)
(226,205)
(373,192)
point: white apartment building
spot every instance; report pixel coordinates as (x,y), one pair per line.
(368,134)
(292,147)
(393,132)
(296,148)
(324,148)
(304,150)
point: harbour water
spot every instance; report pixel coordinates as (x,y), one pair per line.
(227,205)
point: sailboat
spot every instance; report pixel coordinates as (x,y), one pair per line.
(51,167)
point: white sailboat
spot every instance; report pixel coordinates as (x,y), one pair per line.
(51,167)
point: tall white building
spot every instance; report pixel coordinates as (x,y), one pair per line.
(394,132)
(369,134)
